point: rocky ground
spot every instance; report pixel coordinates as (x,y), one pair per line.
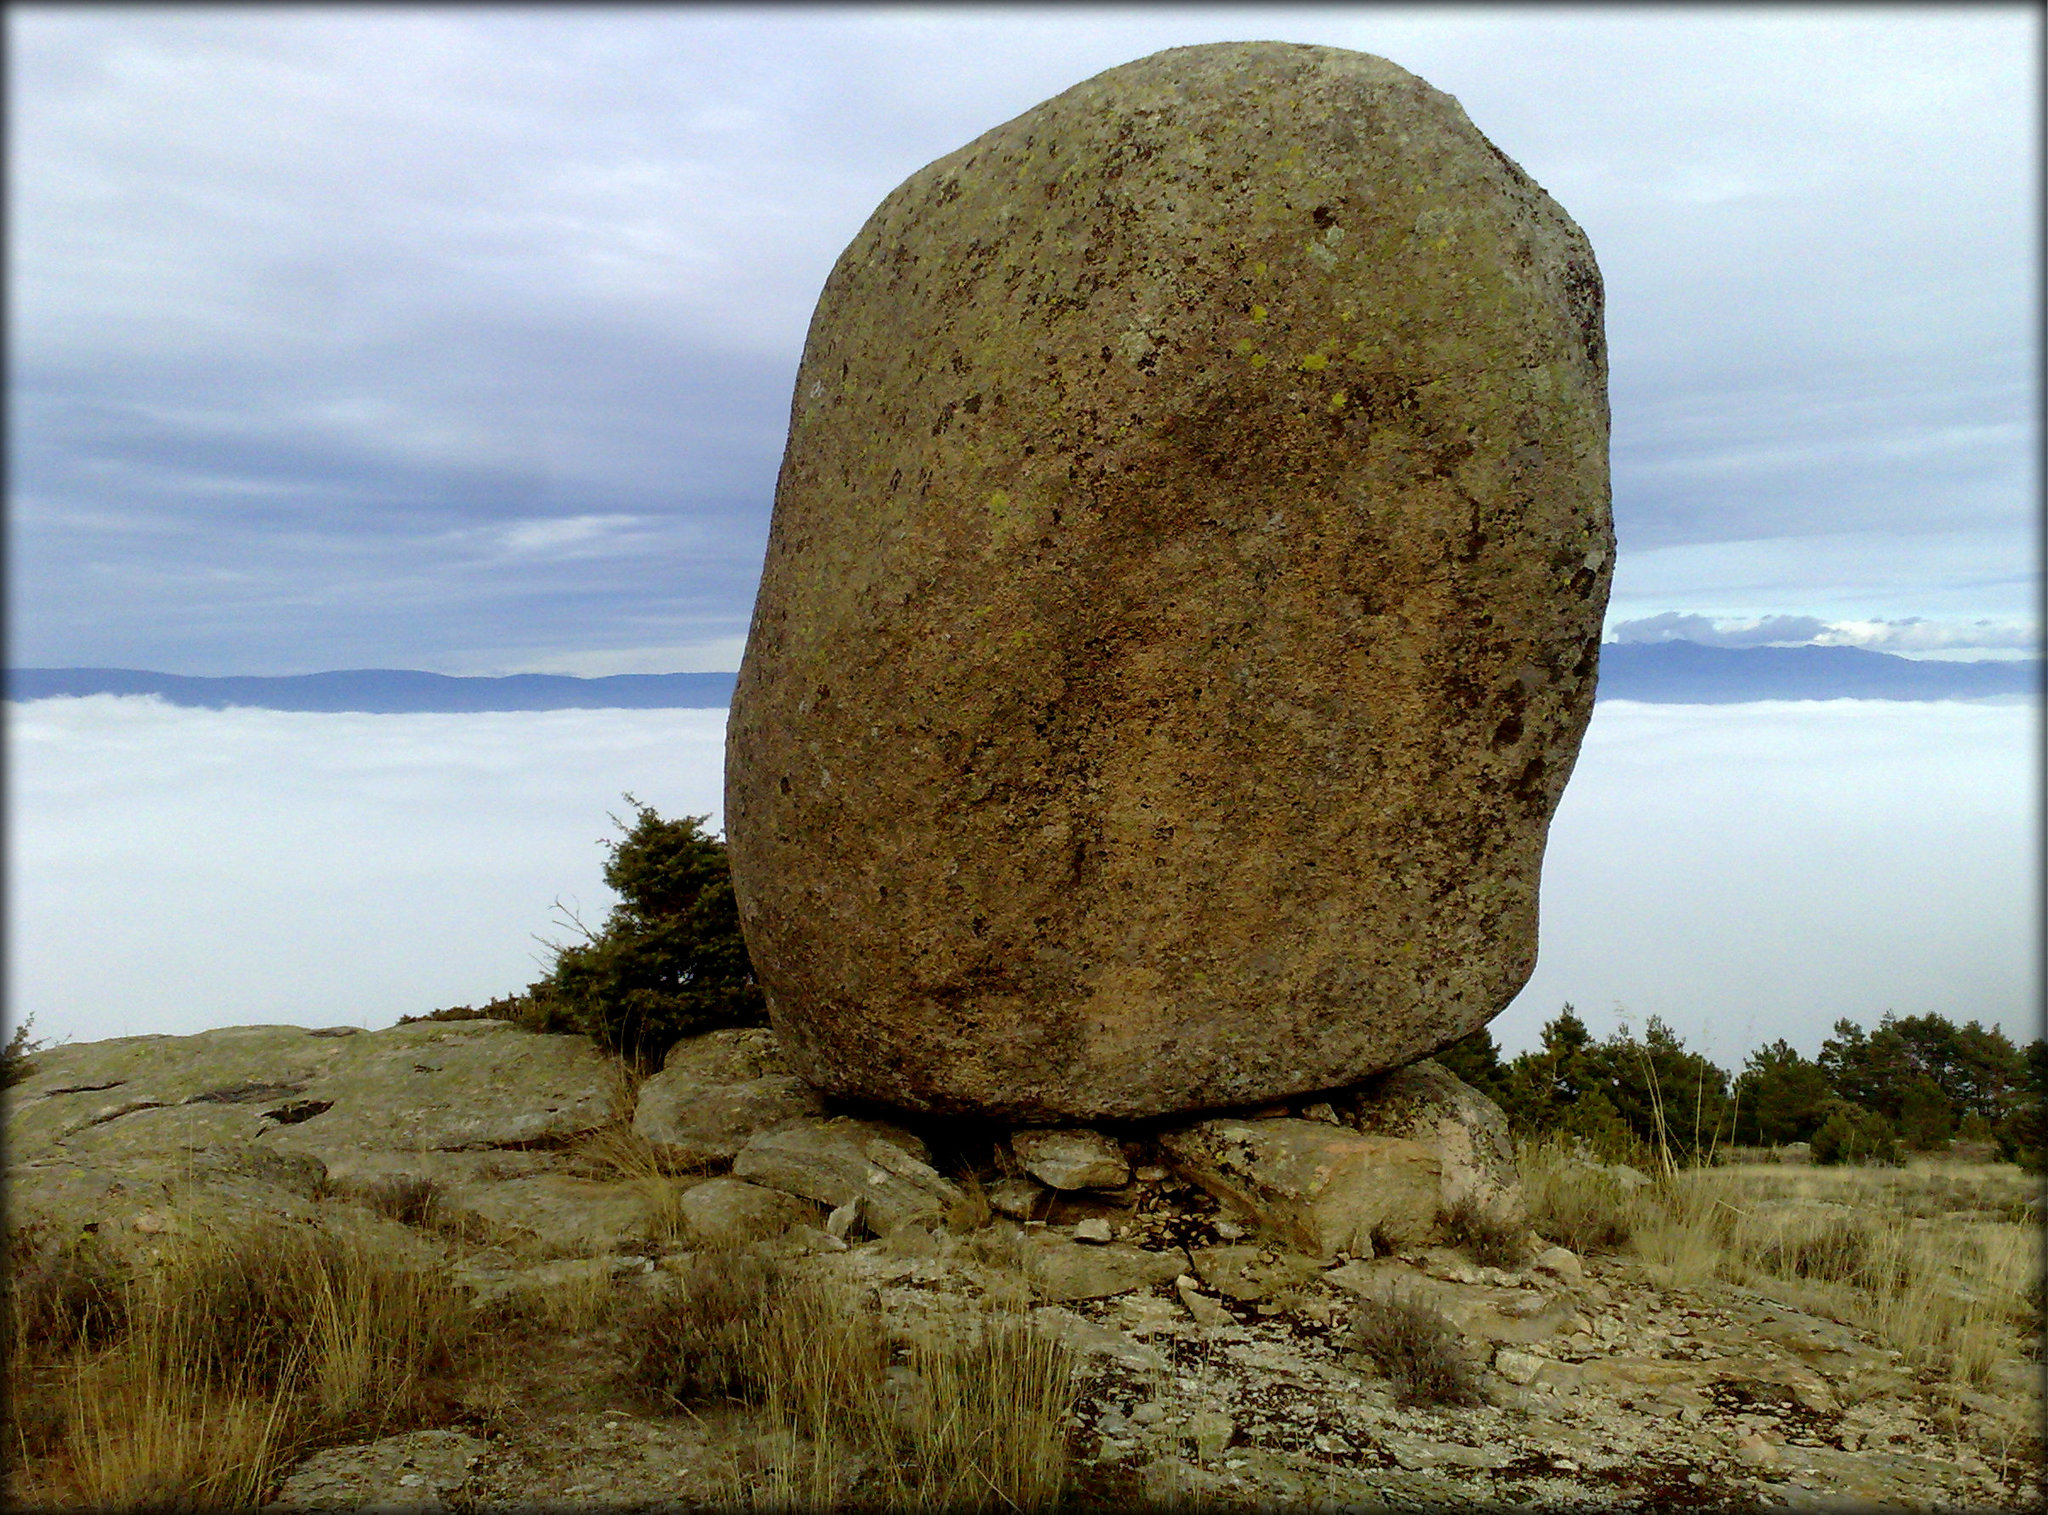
(1606,1391)
(1208,1305)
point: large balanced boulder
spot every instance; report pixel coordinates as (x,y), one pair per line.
(1181,604)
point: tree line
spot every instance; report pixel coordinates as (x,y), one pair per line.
(1913,1084)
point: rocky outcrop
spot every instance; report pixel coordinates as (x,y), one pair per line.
(715,1093)
(253,1120)
(1427,1103)
(1325,1190)
(883,1169)
(1182,600)
(1602,1381)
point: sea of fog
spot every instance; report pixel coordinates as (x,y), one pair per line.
(1744,871)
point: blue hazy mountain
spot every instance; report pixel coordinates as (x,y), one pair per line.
(1689,673)
(1660,672)
(387,691)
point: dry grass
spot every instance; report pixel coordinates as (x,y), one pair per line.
(617,1153)
(1585,1209)
(1941,1260)
(971,1211)
(239,1349)
(1484,1235)
(1416,1347)
(1956,1289)
(975,1422)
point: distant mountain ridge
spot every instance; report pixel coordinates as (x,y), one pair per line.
(1690,673)
(387,691)
(1685,673)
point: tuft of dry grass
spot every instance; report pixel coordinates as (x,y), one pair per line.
(1584,1208)
(976,1420)
(1484,1235)
(1416,1347)
(61,1292)
(241,1347)
(1938,1259)
(970,1211)
(703,1339)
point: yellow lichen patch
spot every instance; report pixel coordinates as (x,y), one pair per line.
(1339,400)
(1258,360)
(1314,362)
(1259,311)
(1242,346)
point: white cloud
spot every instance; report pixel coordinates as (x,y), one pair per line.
(1745,871)
(1918,635)
(1756,871)
(178,869)
(566,535)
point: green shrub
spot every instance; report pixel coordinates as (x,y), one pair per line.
(16,1057)
(670,961)
(1853,1134)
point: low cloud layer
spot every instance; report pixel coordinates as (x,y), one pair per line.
(1746,872)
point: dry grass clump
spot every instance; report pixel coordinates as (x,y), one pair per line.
(1415,1347)
(704,1339)
(1921,1257)
(1484,1235)
(1574,1203)
(974,1420)
(409,1200)
(235,1351)
(61,1292)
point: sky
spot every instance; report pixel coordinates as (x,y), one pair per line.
(1745,872)
(462,338)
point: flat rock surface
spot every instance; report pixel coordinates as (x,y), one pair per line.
(418,1470)
(255,1120)
(428,1086)
(1704,1398)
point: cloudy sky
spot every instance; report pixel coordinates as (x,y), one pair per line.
(462,339)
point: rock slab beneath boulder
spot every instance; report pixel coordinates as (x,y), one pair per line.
(1321,1188)
(1182,600)
(715,1092)
(1427,1103)
(1076,1159)
(843,1159)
